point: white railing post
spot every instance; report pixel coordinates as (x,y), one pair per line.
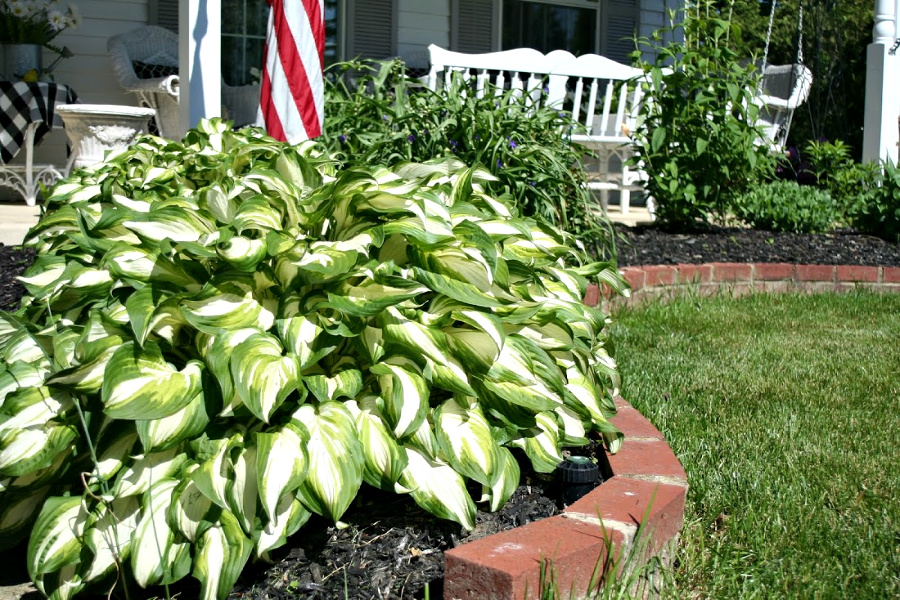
(880,135)
(200,60)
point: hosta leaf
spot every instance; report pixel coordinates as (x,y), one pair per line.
(345,381)
(335,459)
(32,407)
(243,491)
(155,555)
(450,376)
(184,424)
(191,512)
(146,470)
(282,465)
(263,376)
(241,252)
(371,297)
(139,384)
(135,263)
(226,306)
(437,488)
(467,442)
(542,443)
(574,430)
(19,374)
(55,539)
(301,332)
(405,392)
(506,484)
(415,337)
(171,222)
(148,308)
(222,552)
(454,288)
(216,350)
(24,451)
(385,458)
(214,474)
(17,513)
(290,515)
(109,536)
(87,376)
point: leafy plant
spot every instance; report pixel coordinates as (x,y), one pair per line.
(224,336)
(377,115)
(787,206)
(697,139)
(878,212)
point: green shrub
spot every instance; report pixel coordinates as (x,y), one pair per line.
(696,138)
(849,182)
(376,115)
(224,336)
(787,206)
(878,212)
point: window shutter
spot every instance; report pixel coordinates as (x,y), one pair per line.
(621,27)
(372,28)
(472,25)
(164,13)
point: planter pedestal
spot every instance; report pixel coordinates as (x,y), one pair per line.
(96,131)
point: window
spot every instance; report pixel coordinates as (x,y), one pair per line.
(571,25)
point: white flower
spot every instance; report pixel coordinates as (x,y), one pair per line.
(19,9)
(74,17)
(57,20)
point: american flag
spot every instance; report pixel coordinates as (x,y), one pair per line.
(292,98)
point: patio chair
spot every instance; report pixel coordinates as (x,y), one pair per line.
(145,62)
(783,88)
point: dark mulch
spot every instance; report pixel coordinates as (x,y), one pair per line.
(393,549)
(649,245)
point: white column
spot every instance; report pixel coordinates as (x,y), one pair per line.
(880,135)
(200,60)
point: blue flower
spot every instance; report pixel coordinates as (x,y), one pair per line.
(454,143)
(342,138)
(499,164)
(512,144)
(477,137)
(531,183)
(411,138)
(546,89)
(384,117)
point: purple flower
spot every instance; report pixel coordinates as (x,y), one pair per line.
(546,89)
(454,143)
(512,144)
(477,137)
(342,138)
(384,117)
(499,164)
(411,138)
(531,183)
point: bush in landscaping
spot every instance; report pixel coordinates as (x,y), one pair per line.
(696,137)
(878,212)
(224,336)
(377,115)
(787,206)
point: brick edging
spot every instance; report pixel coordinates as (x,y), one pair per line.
(645,485)
(656,280)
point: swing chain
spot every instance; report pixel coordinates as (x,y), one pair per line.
(800,35)
(769,36)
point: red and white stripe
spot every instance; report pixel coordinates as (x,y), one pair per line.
(292,99)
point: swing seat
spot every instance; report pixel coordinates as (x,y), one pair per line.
(783,88)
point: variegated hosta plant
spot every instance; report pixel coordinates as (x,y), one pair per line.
(225,336)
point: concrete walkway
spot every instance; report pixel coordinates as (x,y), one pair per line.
(15,221)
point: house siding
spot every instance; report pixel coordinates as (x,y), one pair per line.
(420,23)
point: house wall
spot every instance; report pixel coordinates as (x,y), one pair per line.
(420,23)
(89,72)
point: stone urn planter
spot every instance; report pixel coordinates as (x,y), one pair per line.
(96,131)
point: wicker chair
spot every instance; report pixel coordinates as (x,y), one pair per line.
(159,46)
(783,89)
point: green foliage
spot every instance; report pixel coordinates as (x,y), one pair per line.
(878,212)
(849,182)
(787,206)
(696,139)
(224,336)
(376,115)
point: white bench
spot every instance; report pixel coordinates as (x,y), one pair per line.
(603,96)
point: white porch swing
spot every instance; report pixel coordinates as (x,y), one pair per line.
(781,90)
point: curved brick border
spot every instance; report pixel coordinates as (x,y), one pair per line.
(646,485)
(654,281)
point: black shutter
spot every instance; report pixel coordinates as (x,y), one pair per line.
(472,25)
(620,29)
(164,13)
(372,28)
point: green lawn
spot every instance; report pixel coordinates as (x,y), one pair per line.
(785,412)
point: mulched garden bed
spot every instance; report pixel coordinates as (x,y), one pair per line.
(393,549)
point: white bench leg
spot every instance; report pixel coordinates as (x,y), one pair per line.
(625,200)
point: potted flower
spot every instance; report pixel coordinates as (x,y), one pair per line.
(28,26)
